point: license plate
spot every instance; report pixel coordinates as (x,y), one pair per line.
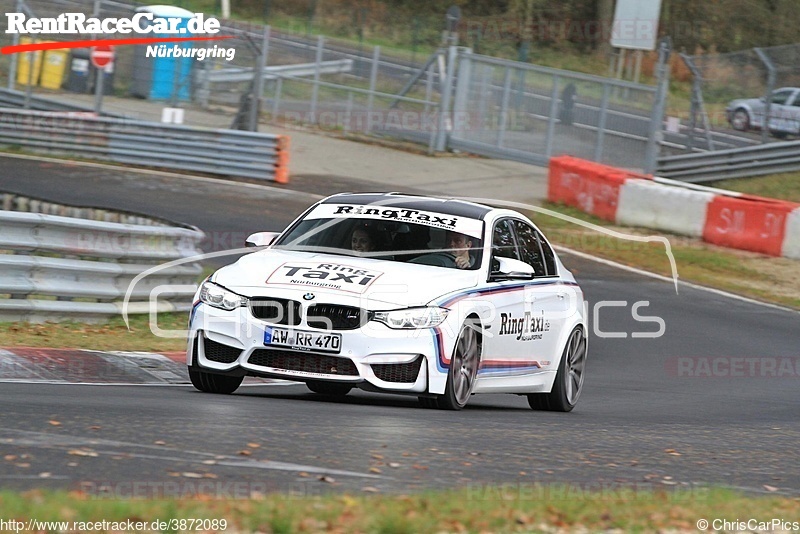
(301,340)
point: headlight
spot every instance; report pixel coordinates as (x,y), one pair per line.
(426,317)
(217,296)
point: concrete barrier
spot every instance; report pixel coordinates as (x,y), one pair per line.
(720,217)
(673,209)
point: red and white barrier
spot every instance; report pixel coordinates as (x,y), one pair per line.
(720,217)
(653,205)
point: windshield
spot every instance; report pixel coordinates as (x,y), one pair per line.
(428,242)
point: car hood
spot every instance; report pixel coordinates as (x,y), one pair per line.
(341,279)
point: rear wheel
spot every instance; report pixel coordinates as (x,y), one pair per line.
(463,368)
(213,382)
(569,379)
(334,389)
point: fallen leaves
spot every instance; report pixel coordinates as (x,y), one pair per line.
(83,452)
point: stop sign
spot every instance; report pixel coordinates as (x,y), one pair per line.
(101,56)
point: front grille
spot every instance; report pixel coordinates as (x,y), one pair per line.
(335,317)
(274,310)
(398,372)
(217,352)
(301,361)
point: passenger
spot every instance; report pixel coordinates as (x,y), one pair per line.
(363,239)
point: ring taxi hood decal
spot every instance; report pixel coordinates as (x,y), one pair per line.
(324,274)
(445,221)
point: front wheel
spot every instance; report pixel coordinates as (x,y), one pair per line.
(463,368)
(569,379)
(214,383)
(740,120)
(334,389)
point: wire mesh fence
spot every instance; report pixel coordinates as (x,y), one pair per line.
(533,113)
(451,98)
(743,98)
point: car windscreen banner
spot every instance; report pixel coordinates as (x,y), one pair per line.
(445,221)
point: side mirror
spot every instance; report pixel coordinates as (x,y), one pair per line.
(261,239)
(510,269)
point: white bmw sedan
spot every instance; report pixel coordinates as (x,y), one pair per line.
(437,298)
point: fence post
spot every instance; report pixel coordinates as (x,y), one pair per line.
(444,104)
(348,112)
(463,81)
(429,88)
(373,80)
(258,81)
(551,122)
(276,102)
(770,88)
(655,135)
(315,89)
(601,123)
(501,128)
(12,69)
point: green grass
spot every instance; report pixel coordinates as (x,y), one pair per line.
(113,335)
(784,186)
(508,508)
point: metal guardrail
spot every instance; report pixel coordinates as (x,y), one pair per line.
(245,74)
(16,99)
(758,160)
(149,144)
(58,267)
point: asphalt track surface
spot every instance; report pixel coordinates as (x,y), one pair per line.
(688,409)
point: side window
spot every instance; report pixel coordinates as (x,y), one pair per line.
(780,97)
(503,241)
(535,251)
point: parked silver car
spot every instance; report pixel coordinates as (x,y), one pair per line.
(784,114)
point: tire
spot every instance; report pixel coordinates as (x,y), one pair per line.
(569,379)
(463,368)
(740,120)
(333,389)
(214,383)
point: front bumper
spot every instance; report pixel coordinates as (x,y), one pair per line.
(372,357)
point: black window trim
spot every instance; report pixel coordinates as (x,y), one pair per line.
(539,243)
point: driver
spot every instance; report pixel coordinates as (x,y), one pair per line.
(459,246)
